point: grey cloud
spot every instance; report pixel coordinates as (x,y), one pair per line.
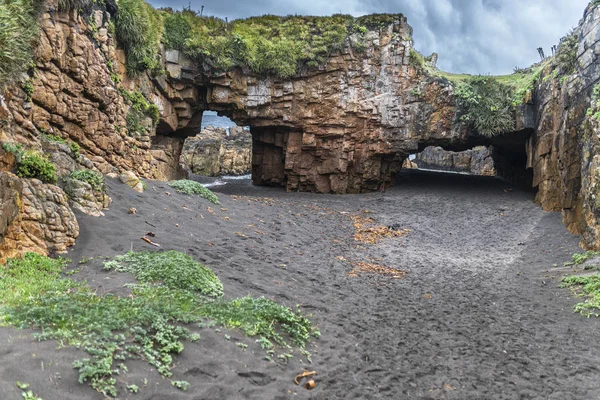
(471,36)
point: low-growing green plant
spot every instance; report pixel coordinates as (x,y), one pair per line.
(189,187)
(75,149)
(566,55)
(26,393)
(27,87)
(416,59)
(589,286)
(181,385)
(32,164)
(95,179)
(260,317)
(580,258)
(172,269)
(113,329)
(16,149)
(53,138)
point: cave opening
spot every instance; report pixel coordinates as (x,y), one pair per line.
(504,156)
(219,148)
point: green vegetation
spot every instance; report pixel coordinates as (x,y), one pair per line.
(566,55)
(95,179)
(26,393)
(588,286)
(18,33)
(267,45)
(487,105)
(416,59)
(139,30)
(31,164)
(172,289)
(75,149)
(54,138)
(580,258)
(259,317)
(140,108)
(66,5)
(592,111)
(27,87)
(189,187)
(174,270)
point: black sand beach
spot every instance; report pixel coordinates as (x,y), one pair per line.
(478,315)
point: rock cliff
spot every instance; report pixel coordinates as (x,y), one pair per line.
(344,127)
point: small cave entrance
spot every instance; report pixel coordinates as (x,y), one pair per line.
(503,156)
(476,161)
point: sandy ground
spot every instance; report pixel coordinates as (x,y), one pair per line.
(477,316)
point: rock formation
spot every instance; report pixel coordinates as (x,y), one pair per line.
(476,161)
(215,152)
(345,127)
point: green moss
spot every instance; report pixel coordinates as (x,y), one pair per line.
(95,180)
(189,187)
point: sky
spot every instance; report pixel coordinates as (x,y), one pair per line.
(470,36)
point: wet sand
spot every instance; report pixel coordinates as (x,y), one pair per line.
(478,315)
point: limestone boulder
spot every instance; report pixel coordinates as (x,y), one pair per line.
(130,179)
(83,197)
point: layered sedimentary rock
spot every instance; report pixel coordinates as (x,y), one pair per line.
(476,161)
(563,152)
(344,128)
(216,151)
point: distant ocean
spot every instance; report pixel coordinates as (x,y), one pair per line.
(210,118)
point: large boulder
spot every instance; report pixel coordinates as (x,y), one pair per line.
(476,161)
(85,198)
(216,152)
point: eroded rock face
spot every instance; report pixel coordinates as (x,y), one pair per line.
(39,218)
(477,161)
(83,197)
(76,97)
(215,151)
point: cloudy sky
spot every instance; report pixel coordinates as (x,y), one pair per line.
(471,36)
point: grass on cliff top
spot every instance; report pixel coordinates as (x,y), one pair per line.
(18,35)
(172,290)
(267,45)
(189,187)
